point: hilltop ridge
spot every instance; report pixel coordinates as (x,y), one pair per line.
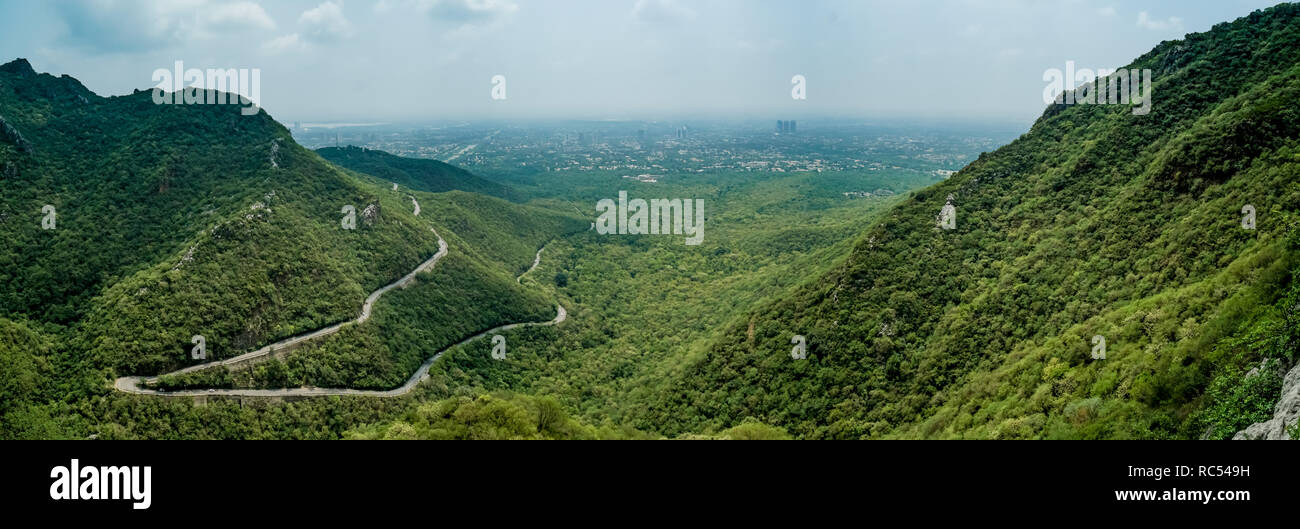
(1096,222)
(132,227)
(414,173)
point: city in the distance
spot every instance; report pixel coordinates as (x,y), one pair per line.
(648,219)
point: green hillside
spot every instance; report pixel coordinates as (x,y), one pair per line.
(639,306)
(130,227)
(488,416)
(413,173)
(177,220)
(1095,222)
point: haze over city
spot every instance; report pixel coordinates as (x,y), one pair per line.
(599,59)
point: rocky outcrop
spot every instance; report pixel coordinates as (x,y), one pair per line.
(19,68)
(275,153)
(370,214)
(1285,414)
(19,74)
(9,134)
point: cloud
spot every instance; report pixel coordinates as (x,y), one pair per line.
(661,11)
(236,15)
(325,23)
(1146,22)
(1108,11)
(468,11)
(287,43)
(112,26)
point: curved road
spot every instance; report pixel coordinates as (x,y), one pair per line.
(133,384)
(536,261)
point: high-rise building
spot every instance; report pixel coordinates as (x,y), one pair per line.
(780,126)
(791,125)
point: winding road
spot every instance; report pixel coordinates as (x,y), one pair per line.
(536,261)
(134,384)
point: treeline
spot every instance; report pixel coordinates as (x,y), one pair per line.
(414,173)
(508,416)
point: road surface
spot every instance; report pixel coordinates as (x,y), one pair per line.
(134,384)
(536,261)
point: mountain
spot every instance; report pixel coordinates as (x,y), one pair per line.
(1097,222)
(413,173)
(131,227)
(1109,274)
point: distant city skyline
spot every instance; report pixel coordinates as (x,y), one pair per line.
(412,60)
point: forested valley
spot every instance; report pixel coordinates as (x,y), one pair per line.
(1100,279)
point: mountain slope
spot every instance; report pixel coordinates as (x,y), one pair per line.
(180,220)
(1096,222)
(184,219)
(413,173)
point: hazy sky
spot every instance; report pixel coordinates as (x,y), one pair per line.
(606,59)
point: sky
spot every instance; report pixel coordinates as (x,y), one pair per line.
(413,60)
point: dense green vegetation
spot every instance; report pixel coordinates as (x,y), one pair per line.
(490,416)
(24,366)
(188,220)
(175,220)
(472,289)
(505,415)
(455,300)
(413,173)
(1096,222)
(640,305)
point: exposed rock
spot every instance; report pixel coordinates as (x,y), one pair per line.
(275,152)
(189,256)
(1267,365)
(946,214)
(1174,59)
(887,329)
(10,134)
(370,214)
(1285,414)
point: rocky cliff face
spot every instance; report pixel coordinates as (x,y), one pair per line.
(1285,414)
(9,134)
